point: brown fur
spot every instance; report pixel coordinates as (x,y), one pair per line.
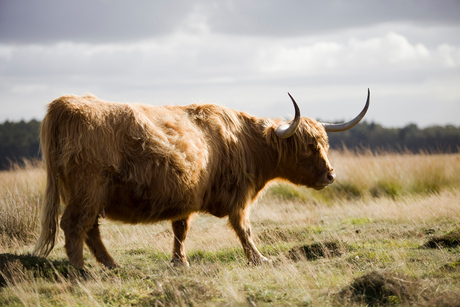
(143,164)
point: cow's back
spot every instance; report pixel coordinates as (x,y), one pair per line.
(145,145)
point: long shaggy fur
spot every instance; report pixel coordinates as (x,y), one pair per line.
(142,164)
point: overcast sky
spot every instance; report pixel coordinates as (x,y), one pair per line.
(244,54)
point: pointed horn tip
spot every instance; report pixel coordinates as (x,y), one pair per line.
(353,122)
(368,99)
(294,102)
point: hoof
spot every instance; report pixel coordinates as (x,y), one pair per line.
(180,263)
(260,261)
(112,266)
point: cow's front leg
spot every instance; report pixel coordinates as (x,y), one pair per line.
(240,223)
(180,229)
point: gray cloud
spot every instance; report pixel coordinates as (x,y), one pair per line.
(87,20)
(298,17)
(112,21)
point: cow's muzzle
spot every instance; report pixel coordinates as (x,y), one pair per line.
(330,177)
(327,179)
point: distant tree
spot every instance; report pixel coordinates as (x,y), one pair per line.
(17,141)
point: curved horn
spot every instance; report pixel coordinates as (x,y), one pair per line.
(287,130)
(351,123)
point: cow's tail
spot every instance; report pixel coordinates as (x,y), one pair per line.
(50,207)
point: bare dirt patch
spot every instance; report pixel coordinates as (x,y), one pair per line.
(449,240)
(378,288)
(317,250)
(385,288)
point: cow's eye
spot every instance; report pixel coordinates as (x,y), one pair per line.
(311,149)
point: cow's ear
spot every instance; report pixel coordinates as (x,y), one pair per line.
(270,134)
(275,139)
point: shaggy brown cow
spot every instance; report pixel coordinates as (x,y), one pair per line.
(142,164)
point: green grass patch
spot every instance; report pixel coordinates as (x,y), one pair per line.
(224,256)
(276,234)
(356,221)
(343,190)
(387,188)
(286,191)
(148,253)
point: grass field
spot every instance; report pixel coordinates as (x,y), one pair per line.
(387,232)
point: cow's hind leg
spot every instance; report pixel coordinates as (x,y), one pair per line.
(180,229)
(240,223)
(75,225)
(83,207)
(97,248)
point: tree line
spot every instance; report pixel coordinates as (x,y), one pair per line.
(19,140)
(411,138)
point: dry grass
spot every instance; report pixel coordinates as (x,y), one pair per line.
(381,211)
(367,175)
(21,190)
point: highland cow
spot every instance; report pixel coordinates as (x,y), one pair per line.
(143,164)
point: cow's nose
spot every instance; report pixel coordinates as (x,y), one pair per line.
(331,177)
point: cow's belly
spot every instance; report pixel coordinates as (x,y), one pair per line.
(139,211)
(126,207)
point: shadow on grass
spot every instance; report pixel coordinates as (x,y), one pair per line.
(12,266)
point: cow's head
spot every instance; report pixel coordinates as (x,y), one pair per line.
(303,147)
